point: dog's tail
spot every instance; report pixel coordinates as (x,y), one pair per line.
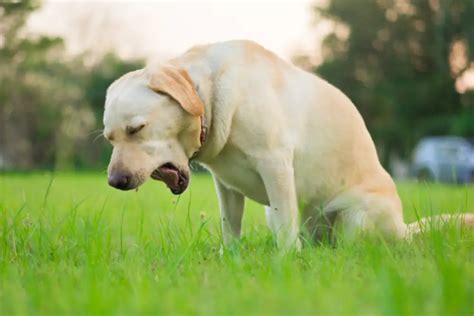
(458,220)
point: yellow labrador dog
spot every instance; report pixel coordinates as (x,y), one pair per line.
(266,130)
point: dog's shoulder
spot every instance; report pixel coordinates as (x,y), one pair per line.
(239,52)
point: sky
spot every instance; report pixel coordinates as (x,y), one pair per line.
(158,30)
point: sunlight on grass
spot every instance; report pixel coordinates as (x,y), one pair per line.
(70,244)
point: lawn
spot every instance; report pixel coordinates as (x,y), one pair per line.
(69,244)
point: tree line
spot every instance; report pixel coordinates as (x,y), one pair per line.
(402,63)
(51,103)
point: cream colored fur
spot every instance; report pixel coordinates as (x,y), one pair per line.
(277,134)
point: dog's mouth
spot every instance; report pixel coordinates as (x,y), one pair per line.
(176,180)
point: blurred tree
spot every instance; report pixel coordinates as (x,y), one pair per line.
(95,151)
(399,60)
(49,102)
(27,78)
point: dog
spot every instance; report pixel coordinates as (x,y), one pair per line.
(266,130)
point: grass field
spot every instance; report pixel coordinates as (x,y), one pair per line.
(69,244)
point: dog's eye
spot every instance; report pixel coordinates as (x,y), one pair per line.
(133,130)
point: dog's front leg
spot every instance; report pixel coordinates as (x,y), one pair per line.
(282,214)
(231,204)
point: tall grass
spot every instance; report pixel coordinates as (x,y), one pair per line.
(71,245)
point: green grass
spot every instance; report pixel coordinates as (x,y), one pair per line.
(69,244)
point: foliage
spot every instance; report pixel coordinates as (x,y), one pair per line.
(49,101)
(93,151)
(69,244)
(399,60)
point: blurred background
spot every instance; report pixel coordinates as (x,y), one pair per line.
(408,65)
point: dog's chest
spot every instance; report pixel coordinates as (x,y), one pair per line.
(236,171)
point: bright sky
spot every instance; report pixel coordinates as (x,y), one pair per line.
(158,30)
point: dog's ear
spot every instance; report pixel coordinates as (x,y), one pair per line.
(177,84)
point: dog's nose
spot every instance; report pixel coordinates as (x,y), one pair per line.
(120,180)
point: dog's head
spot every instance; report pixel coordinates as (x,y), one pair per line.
(152,120)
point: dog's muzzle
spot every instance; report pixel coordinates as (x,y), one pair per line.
(121,180)
(177,180)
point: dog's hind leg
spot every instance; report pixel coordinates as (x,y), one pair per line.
(370,212)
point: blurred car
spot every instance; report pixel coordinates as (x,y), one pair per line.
(444,159)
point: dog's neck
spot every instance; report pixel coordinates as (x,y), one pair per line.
(212,138)
(202,136)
